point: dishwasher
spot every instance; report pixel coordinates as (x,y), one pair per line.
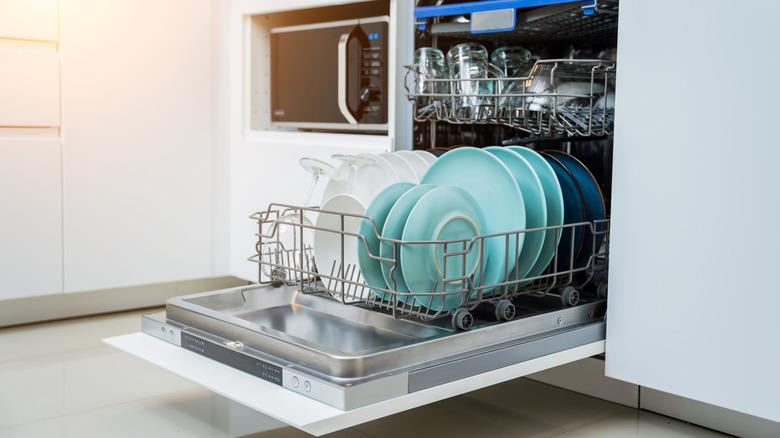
(324,333)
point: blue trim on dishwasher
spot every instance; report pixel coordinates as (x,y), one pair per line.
(487,5)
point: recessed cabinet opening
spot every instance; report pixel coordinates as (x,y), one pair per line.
(323,69)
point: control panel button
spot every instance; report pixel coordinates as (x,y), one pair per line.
(306,386)
(295,381)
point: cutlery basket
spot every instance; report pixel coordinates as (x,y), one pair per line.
(573,97)
(576,273)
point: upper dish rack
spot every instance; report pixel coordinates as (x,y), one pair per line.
(286,257)
(573,97)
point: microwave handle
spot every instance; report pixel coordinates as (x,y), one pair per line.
(342,80)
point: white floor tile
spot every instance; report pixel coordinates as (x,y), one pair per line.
(59,380)
(532,400)
(640,424)
(48,386)
(192,413)
(41,340)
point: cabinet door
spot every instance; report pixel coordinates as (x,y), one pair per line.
(29,19)
(30,217)
(694,248)
(137,142)
(29,85)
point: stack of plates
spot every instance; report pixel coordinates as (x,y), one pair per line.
(468,195)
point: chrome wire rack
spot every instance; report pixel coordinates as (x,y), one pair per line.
(285,254)
(572,97)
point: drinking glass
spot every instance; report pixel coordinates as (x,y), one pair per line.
(514,61)
(470,61)
(430,65)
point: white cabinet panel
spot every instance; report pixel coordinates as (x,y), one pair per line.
(28,19)
(137,141)
(30,218)
(695,203)
(29,86)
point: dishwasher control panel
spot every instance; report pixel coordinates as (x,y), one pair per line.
(230,354)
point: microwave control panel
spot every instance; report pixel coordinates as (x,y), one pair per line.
(372,92)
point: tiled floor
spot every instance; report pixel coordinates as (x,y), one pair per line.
(59,380)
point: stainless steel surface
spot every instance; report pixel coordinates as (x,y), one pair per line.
(291,262)
(352,342)
(586,113)
(350,393)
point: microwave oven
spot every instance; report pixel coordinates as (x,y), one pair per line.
(331,76)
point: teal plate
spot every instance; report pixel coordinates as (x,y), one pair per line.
(497,194)
(444,213)
(393,229)
(535,208)
(553,196)
(370,267)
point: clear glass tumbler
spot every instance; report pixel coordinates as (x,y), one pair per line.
(514,61)
(465,62)
(430,65)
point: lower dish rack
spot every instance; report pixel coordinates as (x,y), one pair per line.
(577,272)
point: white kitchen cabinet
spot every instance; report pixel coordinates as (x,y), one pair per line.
(29,19)
(30,217)
(138,141)
(29,85)
(693,256)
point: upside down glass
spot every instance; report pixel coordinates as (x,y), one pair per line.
(430,65)
(514,61)
(470,61)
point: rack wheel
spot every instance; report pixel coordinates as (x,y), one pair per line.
(570,296)
(505,310)
(601,289)
(462,320)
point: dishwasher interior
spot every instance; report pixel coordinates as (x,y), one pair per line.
(326,333)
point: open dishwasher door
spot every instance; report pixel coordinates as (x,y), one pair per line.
(321,366)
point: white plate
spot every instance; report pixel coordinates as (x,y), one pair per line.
(371,175)
(418,163)
(327,245)
(427,156)
(402,168)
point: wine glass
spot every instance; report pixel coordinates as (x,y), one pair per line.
(286,232)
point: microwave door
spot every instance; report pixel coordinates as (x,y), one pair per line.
(330,76)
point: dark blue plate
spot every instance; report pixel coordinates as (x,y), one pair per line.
(573,212)
(593,200)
